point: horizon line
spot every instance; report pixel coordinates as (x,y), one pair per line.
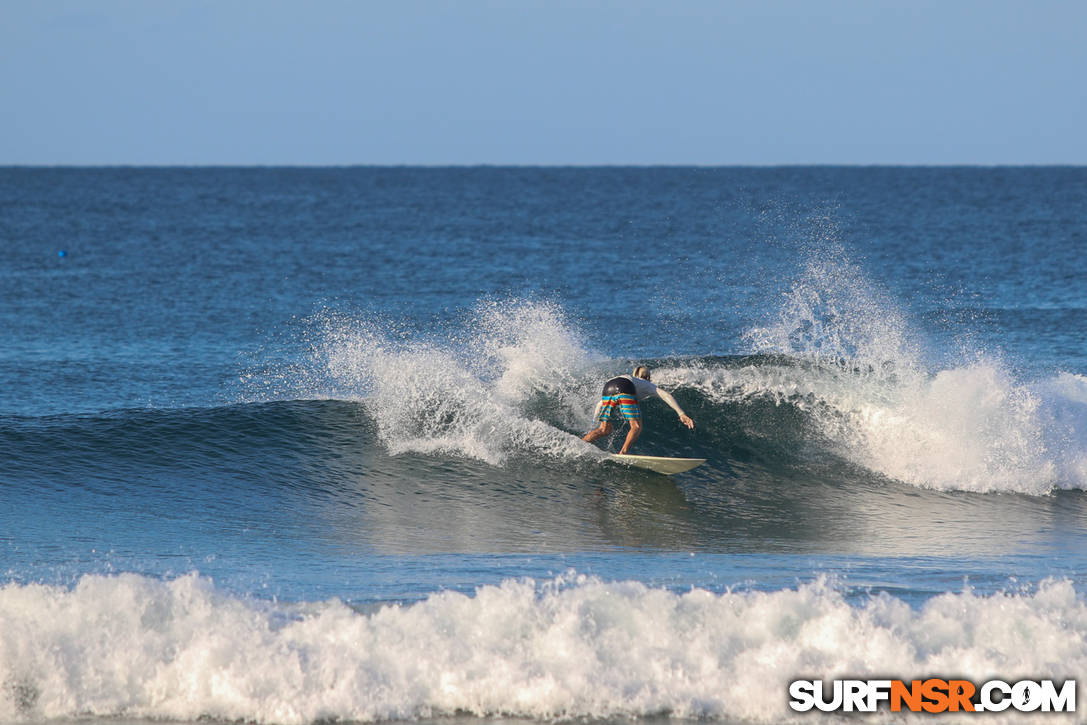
(789,165)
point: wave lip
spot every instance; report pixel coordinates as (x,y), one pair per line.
(471,393)
(570,647)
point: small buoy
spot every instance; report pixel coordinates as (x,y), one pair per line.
(62,253)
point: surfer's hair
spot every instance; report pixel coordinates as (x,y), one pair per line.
(641,372)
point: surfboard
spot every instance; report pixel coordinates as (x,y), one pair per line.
(660,464)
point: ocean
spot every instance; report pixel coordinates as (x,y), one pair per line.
(296,445)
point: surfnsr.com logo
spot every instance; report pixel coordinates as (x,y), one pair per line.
(933,695)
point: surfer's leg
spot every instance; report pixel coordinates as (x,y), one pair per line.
(604,410)
(603,430)
(631,413)
(635,431)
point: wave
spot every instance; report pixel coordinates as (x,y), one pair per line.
(966,429)
(971,428)
(121,441)
(962,424)
(463,394)
(131,646)
(838,374)
(834,380)
(781,438)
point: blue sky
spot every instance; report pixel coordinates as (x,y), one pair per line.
(547,82)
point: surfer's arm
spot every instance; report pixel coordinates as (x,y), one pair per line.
(667,398)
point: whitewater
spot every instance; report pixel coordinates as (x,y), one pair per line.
(572,647)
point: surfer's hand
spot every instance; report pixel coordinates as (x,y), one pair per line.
(686,420)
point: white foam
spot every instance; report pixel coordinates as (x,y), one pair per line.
(137,647)
(970,426)
(471,393)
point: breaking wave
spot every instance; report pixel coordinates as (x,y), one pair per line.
(575,646)
(517,380)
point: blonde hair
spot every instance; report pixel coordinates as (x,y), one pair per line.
(641,372)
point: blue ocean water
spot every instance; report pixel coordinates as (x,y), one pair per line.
(289,445)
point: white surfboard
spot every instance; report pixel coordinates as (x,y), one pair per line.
(660,464)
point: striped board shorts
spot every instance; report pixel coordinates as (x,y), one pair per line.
(619,407)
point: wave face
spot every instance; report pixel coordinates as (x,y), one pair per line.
(836,375)
(129,646)
(966,429)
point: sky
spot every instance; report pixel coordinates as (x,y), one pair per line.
(542,82)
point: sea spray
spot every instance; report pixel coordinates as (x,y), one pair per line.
(1063,409)
(833,313)
(470,392)
(866,391)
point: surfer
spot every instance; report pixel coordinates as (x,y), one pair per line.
(621,400)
